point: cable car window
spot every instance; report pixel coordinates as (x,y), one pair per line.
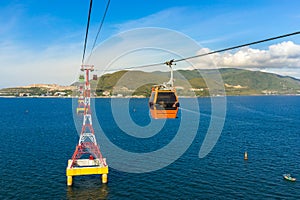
(166,97)
(166,100)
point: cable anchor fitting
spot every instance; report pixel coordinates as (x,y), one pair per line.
(170,63)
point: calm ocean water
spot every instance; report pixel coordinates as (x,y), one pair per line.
(38,136)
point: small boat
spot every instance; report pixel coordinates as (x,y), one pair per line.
(288,177)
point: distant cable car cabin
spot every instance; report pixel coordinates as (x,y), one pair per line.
(80,108)
(95,77)
(163,102)
(81,78)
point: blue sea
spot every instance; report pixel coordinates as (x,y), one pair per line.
(39,135)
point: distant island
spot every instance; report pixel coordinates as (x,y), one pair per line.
(187,82)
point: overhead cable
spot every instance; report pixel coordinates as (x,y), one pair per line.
(238,46)
(100,27)
(217,51)
(87,31)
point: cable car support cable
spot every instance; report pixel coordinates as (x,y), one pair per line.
(212,52)
(239,46)
(99,29)
(87,31)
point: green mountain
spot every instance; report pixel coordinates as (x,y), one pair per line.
(191,82)
(202,82)
(256,82)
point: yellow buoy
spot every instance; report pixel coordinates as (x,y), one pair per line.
(104,178)
(245,155)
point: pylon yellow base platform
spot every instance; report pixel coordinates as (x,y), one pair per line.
(86,167)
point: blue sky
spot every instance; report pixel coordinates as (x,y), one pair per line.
(42,40)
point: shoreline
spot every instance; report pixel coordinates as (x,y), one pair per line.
(139,97)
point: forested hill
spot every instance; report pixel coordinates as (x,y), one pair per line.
(187,83)
(191,82)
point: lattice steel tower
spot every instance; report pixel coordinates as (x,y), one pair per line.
(87,158)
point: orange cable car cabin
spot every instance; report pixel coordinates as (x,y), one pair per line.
(163,102)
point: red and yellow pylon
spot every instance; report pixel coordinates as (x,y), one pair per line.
(87,158)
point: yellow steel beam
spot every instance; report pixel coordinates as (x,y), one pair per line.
(78,171)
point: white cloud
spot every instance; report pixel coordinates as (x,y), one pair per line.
(32,53)
(285,49)
(281,55)
(159,19)
(20,65)
(143,46)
